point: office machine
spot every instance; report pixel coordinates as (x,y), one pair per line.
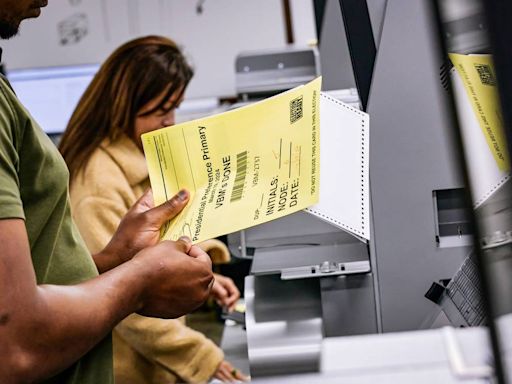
(420,230)
(446,355)
(495,218)
(51,93)
(263,73)
(475,27)
(284,290)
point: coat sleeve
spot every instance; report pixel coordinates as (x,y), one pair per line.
(173,345)
(97,219)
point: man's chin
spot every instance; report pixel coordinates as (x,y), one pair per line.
(33,13)
(8,30)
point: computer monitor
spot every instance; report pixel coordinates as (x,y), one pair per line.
(50,94)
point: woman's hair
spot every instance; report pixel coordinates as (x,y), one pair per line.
(133,75)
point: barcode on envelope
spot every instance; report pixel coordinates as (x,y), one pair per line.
(296,110)
(241,172)
(485,73)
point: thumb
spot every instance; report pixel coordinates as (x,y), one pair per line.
(144,203)
(186,242)
(199,254)
(168,210)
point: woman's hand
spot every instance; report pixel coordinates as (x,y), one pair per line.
(225,292)
(229,374)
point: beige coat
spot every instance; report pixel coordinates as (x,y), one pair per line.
(146,350)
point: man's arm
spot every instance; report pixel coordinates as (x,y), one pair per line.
(44,329)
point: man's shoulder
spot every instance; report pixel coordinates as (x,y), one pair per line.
(10,106)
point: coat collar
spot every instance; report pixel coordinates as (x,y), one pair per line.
(128,157)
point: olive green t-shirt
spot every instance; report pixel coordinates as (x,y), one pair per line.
(34,187)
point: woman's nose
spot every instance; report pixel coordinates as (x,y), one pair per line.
(168,121)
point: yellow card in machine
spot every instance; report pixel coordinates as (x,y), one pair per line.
(242,167)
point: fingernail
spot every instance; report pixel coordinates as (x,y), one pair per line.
(183,195)
(185,239)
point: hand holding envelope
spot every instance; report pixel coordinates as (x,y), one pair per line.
(243,167)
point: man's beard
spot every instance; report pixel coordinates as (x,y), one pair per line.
(8,29)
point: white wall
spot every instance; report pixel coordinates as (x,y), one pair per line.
(211,40)
(303,19)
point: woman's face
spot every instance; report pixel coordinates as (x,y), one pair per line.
(156,120)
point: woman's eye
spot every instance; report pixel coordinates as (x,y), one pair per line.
(162,112)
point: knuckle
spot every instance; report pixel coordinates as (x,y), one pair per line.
(173,203)
(141,220)
(165,244)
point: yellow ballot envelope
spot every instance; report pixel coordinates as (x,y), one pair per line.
(479,79)
(242,167)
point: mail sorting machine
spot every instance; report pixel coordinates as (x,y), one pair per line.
(445,355)
(419,228)
(494,215)
(284,291)
(466,32)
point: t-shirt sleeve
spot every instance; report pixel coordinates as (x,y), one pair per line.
(11,205)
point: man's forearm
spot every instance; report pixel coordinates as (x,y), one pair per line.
(65,322)
(45,329)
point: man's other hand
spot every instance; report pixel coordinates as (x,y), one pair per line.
(179,278)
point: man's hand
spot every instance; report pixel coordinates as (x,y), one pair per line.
(225,292)
(179,278)
(139,228)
